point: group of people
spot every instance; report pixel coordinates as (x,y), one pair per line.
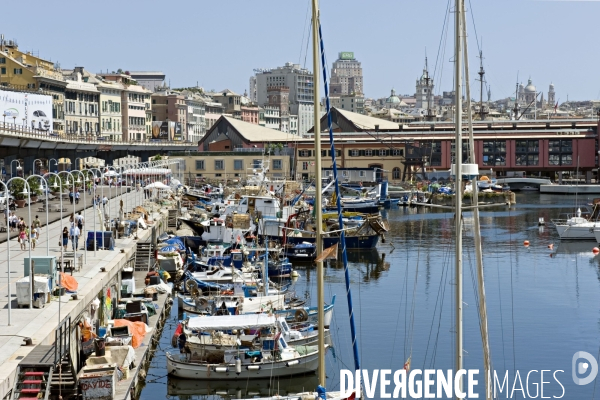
(27,234)
(73,232)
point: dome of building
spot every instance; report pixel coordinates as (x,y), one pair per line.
(530,88)
(393,99)
(552,86)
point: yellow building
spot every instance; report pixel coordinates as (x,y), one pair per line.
(26,72)
(229,166)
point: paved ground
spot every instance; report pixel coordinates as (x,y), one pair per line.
(40,323)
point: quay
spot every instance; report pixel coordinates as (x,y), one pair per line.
(570,189)
(51,334)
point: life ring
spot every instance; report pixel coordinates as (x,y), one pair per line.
(300,315)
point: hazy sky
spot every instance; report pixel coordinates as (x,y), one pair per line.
(219,43)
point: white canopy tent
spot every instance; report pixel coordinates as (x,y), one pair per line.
(158,185)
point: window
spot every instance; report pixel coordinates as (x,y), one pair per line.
(527,152)
(18,71)
(494,152)
(256,163)
(199,164)
(3,70)
(396,173)
(219,165)
(368,153)
(305,165)
(277,164)
(361,174)
(238,164)
(384,152)
(2,60)
(353,153)
(217,175)
(398,152)
(344,173)
(561,152)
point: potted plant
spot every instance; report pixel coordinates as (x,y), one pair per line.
(34,186)
(16,190)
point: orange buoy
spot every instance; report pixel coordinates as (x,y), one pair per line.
(526,243)
(595,250)
(550,246)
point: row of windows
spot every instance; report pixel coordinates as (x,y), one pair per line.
(238,165)
(137,121)
(355,153)
(110,106)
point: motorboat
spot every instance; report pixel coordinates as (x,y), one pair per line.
(578,227)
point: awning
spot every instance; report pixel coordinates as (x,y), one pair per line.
(224,322)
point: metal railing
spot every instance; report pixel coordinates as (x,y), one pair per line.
(62,340)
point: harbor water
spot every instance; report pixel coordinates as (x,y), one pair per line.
(543,304)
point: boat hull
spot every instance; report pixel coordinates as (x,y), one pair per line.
(352,242)
(178,367)
(576,232)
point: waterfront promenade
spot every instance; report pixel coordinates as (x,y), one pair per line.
(39,324)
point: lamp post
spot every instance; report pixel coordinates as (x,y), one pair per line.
(34,162)
(15,121)
(49,164)
(11,169)
(47,230)
(111,168)
(7,244)
(84,206)
(77,166)
(67,183)
(4,115)
(56,186)
(96,206)
(28,193)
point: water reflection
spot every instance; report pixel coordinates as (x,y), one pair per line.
(186,389)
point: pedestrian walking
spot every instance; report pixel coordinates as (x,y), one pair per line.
(74,233)
(22,238)
(79,219)
(71,196)
(37,222)
(65,238)
(104,201)
(77,195)
(33,236)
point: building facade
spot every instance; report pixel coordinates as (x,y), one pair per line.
(82,106)
(346,75)
(110,110)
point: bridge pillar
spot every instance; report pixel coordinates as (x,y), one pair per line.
(560,177)
(588,177)
(28,164)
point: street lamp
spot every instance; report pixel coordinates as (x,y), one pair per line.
(7,244)
(4,115)
(67,183)
(96,207)
(15,121)
(11,168)
(47,220)
(84,205)
(28,193)
(34,162)
(49,165)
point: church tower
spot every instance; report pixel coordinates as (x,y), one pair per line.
(424,93)
(551,96)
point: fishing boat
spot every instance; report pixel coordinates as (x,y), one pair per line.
(271,357)
(304,251)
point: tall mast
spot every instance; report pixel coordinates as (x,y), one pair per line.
(318,203)
(476,228)
(458,66)
(481,73)
(427,80)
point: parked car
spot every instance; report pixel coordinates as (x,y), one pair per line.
(40,121)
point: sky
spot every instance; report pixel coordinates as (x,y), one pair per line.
(217,44)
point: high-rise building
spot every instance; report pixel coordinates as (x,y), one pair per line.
(301,91)
(346,75)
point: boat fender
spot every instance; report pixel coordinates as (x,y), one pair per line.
(301,315)
(238,366)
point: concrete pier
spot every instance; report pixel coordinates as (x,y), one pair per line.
(570,189)
(39,324)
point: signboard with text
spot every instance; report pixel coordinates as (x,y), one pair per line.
(33,111)
(347,55)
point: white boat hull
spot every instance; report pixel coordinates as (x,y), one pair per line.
(579,232)
(178,367)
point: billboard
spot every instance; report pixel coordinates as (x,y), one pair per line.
(178,134)
(163,130)
(347,55)
(34,111)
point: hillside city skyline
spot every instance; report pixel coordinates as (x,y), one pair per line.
(519,39)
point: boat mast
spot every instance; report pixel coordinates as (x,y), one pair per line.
(318,202)
(458,69)
(476,227)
